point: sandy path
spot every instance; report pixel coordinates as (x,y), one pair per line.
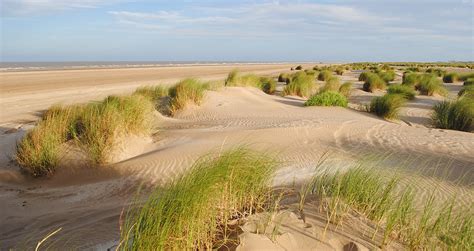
(87,203)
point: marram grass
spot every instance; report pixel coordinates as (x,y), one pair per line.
(266,84)
(373,82)
(332,84)
(327,98)
(301,85)
(192,211)
(455,115)
(405,90)
(187,91)
(345,89)
(387,106)
(430,85)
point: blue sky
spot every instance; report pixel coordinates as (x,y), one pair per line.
(365,30)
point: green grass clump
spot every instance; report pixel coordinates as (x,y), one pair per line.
(363,76)
(467,92)
(299,67)
(311,72)
(373,82)
(101,124)
(387,106)
(193,210)
(339,71)
(301,85)
(324,75)
(186,91)
(430,85)
(436,71)
(406,91)
(153,92)
(327,98)
(345,89)
(284,77)
(451,77)
(266,84)
(455,115)
(469,81)
(390,204)
(411,79)
(93,127)
(332,84)
(38,152)
(387,76)
(465,76)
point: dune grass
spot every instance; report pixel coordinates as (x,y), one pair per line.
(436,71)
(363,76)
(467,92)
(406,91)
(465,76)
(374,82)
(324,75)
(266,84)
(455,115)
(450,77)
(387,76)
(327,98)
(284,77)
(93,127)
(339,71)
(387,106)
(430,85)
(469,81)
(332,84)
(299,67)
(411,79)
(194,209)
(153,92)
(301,85)
(345,89)
(186,91)
(390,204)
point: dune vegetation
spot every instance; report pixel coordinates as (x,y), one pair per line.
(431,85)
(387,76)
(332,84)
(411,79)
(194,211)
(405,90)
(339,71)
(284,77)
(327,98)
(455,115)
(265,84)
(373,82)
(467,92)
(469,81)
(393,207)
(95,127)
(301,85)
(324,75)
(450,77)
(345,89)
(387,106)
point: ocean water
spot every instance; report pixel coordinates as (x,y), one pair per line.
(44,66)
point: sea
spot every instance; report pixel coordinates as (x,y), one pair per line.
(77,65)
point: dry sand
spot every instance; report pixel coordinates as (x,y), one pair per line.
(87,202)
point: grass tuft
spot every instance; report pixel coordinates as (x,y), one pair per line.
(429,85)
(455,115)
(387,106)
(374,82)
(301,85)
(469,81)
(324,75)
(345,89)
(332,84)
(327,98)
(186,91)
(467,92)
(190,212)
(266,84)
(450,77)
(406,91)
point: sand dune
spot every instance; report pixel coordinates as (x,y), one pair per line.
(87,203)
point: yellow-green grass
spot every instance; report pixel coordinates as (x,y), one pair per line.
(339,71)
(469,81)
(387,106)
(345,89)
(455,115)
(467,92)
(451,77)
(266,84)
(430,85)
(436,71)
(382,197)
(299,67)
(301,85)
(465,76)
(93,127)
(284,77)
(387,76)
(363,76)
(153,92)
(327,98)
(187,91)
(405,90)
(411,79)
(324,75)
(374,82)
(194,210)
(332,84)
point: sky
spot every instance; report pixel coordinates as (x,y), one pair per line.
(202,30)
